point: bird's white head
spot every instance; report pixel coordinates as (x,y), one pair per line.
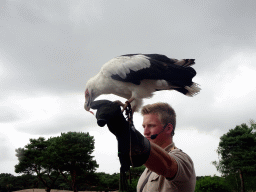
(87,104)
(95,87)
(90,95)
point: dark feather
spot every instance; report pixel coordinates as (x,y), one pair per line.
(162,68)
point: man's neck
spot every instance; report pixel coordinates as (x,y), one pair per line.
(166,143)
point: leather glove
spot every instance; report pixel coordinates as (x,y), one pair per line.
(133,148)
(110,113)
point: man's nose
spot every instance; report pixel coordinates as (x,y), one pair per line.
(146,130)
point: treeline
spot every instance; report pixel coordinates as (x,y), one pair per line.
(229,183)
(95,182)
(110,182)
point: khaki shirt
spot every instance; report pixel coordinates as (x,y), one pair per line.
(184,180)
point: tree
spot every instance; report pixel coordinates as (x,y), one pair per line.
(48,159)
(26,181)
(237,150)
(33,159)
(6,182)
(9,182)
(72,153)
(211,184)
(134,177)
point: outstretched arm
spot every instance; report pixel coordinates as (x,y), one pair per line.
(161,162)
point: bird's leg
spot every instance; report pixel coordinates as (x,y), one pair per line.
(120,103)
(127,103)
(124,106)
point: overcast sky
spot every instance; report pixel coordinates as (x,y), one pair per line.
(49,49)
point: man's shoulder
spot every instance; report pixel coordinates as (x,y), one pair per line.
(180,154)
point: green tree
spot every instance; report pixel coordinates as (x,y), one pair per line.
(33,159)
(134,177)
(137,171)
(211,184)
(6,182)
(237,151)
(26,181)
(71,153)
(68,155)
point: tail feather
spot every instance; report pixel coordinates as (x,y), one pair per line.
(190,91)
(185,62)
(193,90)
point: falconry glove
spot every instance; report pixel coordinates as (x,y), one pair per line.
(133,147)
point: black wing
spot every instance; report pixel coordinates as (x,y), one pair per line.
(161,68)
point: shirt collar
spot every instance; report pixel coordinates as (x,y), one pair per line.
(170,147)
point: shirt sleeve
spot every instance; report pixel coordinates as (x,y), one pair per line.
(185,166)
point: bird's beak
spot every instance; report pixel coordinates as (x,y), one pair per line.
(87,106)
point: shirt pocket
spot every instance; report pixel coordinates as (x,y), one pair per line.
(154,177)
(153,183)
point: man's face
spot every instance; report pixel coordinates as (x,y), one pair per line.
(152,125)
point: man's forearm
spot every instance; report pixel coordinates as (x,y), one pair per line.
(161,162)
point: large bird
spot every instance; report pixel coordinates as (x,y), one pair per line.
(137,76)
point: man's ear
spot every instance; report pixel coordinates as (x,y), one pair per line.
(169,128)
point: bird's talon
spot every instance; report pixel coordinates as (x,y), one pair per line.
(121,104)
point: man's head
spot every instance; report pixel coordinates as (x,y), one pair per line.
(165,112)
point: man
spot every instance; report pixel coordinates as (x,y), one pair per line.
(168,168)
(172,169)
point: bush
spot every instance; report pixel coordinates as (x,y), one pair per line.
(211,184)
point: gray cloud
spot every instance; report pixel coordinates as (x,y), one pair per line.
(5,146)
(62,123)
(7,115)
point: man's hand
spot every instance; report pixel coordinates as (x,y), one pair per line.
(109,113)
(133,148)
